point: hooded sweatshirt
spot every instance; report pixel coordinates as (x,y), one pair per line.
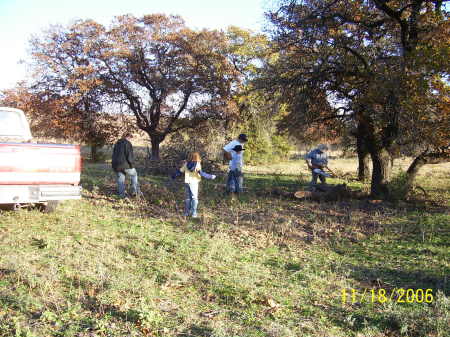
(191,172)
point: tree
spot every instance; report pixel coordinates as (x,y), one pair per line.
(258,119)
(162,70)
(153,67)
(360,62)
(258,113)
(434,130)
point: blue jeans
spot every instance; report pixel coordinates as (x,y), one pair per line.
(191,199)
(315,176)
(235,181)
(121,181)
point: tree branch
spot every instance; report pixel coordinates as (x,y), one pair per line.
(187,94)
(358,56)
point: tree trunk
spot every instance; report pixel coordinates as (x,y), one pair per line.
(381,173)
(423,159)
(155,141)
(363,159)
(412,171)
(95,152)
(363,166)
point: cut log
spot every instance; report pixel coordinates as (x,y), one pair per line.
(303,194)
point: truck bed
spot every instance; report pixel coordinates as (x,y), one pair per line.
(39,164)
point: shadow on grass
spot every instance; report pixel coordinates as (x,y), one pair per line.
(401,260)
(197,331)
(356,321)
(92,304)
(392,279)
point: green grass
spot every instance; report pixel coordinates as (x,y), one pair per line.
(260,266)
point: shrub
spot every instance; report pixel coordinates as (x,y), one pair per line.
(398,188)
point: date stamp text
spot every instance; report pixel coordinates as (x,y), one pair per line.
(380,295)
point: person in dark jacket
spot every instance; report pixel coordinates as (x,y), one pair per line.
(122,164)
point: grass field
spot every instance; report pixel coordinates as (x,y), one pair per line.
(263,265)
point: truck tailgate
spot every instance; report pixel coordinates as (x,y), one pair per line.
(32,164)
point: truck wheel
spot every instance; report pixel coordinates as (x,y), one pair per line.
(15,207)
(49,206)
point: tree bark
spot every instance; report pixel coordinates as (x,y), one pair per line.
(155,141)
(363,158)
(381,173)
(363,166)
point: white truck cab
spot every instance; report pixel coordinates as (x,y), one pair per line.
(34,174)
(14,125)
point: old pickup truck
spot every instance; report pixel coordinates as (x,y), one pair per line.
(34,174)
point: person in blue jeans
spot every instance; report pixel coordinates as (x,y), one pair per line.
(123,165)
(317,160)
(235,176)
(193,173)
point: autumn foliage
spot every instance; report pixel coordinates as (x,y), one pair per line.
(166,75)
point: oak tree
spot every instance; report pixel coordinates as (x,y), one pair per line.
(166,75)
(361,62)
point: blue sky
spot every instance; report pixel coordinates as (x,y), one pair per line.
(19,19)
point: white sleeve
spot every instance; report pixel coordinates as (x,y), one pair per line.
(229,146)
(206,175)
